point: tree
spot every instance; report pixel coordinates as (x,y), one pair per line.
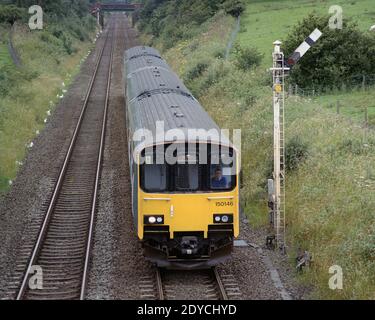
(233,7)
(10,13)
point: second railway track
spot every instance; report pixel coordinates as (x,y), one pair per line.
(62,249)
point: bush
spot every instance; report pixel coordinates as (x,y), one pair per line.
(233,7)
(196,71)
(337,56)
(296,151)
(10,13)
(246,58)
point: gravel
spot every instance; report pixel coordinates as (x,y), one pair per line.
(117,263)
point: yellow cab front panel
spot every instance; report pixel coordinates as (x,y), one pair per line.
(188,212)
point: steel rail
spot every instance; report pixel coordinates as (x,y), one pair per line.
(97,178)
(220,285)
(159,285)
(44,227)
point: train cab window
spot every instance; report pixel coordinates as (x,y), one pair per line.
(215,173)
(222,172)
(221,177)
(187,177)
(155,177)
(186,173)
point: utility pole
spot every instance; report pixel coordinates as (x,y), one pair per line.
(280,69)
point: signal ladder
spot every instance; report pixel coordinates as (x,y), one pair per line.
(279,72)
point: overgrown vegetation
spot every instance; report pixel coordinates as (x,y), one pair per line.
(176,20)
(49,57)
(331,179)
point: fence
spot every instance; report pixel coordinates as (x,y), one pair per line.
(13,52)
(233,37)
(357,82)
(366,115)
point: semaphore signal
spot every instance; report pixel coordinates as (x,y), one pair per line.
(280,69)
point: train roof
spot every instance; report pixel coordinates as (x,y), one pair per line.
(145,62)
(139,51)
(156,93)
(154,79)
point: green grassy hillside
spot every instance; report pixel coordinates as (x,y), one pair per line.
(263,22)
(49,58)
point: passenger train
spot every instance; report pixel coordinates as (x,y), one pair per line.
(184,176)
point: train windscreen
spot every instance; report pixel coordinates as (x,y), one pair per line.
(190,172)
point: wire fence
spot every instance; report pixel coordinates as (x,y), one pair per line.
(364,115)
(354,83)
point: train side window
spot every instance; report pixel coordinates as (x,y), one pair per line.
(155,177)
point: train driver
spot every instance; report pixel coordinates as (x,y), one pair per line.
(218,181)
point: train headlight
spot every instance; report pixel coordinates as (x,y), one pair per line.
(223,218)
(154,219)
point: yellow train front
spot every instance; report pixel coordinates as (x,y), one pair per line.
(184,172)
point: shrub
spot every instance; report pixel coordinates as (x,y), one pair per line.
(296,151)
(10,13)
(246,58)
(196,71)
(233,7)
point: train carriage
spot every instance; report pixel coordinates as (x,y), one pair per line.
(184,173)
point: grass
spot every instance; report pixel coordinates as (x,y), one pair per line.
(4,55)
(352,104)
(330,196)
(23,110)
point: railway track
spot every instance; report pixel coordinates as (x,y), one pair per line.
(211,283)
(62,248)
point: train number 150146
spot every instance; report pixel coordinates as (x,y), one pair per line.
(224,203)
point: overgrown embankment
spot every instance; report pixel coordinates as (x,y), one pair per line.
(330,157)
(50,58)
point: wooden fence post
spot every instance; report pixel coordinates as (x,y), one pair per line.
(363,82)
